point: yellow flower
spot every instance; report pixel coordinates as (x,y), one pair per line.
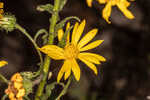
(89,2)
(3,63)
(75,50)
(1,9)
(15,89)
(121,4)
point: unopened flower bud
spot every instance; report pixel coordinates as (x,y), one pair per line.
(7,22)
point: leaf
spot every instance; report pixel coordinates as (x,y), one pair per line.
(46,7)
(63,22)
(49,89)
(44,37)
(62,4)
(27,83)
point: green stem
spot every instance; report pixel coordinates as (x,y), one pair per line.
(31,39)
(3,79)
(63,92)
(4,97)
(47,60)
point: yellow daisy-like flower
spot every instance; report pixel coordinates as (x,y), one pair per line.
(75,50)
(3,63)
(121,4)
(15,89)
(1,9)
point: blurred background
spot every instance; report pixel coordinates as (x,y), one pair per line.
(126,73)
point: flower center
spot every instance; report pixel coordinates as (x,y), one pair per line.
(71,51)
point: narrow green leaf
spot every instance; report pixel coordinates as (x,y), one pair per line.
(63,22)
(44,37)
(49,89)
(46,7)
(62,4)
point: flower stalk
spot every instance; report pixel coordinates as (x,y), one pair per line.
(31,39)
(47,60)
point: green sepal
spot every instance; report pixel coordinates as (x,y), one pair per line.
(28,75)
(44,37)
(7,22)
(27,85)
(63,22)
(62,4)
(46,7)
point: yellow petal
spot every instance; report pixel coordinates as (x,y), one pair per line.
(62,70)
(3,63)
(1,5)
(79,31)
(1,11)
(20,93)
(74,32)
(100,58)
(68,70)
(89,64)
(53,51)
(18,85)
(91,45)
(60,34)
(11,95)
(122,6)
(88,37)
(126,3)
(68,35)
(88,58)
(17,77)
(89,2)
(75,68)
(102,1)
(107,12)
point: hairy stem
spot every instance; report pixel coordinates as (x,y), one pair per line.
(31,39)
(47,60)
(3,79)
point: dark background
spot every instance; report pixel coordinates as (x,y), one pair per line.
(126,73)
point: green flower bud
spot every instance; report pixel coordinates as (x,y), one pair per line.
(7,22)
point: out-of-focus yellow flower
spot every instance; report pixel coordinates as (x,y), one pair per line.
(3,63)
(15,89)
(1,9)
(89,2)
(121,4)
(75,50)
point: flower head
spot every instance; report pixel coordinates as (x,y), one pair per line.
(1,9)
(15,89)
(8,22)
(75,49)
(3,63)
(121,4)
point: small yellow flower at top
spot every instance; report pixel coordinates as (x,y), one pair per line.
(121,4)
(3,63)
(75,49)
(15,89)
(1,9)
